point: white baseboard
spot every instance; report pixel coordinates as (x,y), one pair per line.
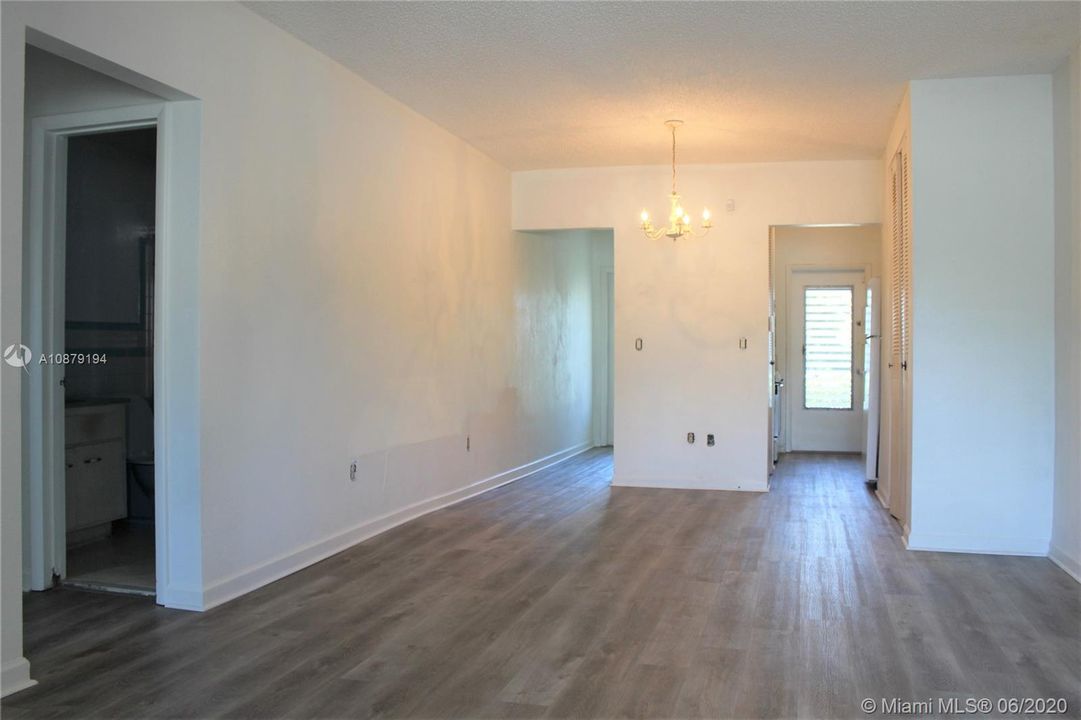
(180,598)
(265,573)
(1071,565)
(689,484)
(976,544)
(15,676)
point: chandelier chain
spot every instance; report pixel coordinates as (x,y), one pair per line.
(673,159)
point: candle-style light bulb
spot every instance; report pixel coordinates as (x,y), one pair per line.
(705,215)
(645,216)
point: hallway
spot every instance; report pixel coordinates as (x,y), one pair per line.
(559,596)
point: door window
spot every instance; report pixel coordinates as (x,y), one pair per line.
(827,348)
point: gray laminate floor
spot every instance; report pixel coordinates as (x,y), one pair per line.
(559,596)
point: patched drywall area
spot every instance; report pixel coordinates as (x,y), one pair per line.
(1066,526)
(691,301)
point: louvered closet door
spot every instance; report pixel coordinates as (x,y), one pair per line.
(900,337)
(773,399)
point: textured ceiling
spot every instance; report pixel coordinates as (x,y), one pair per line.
(574,84)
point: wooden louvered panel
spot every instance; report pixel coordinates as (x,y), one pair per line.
(896,261)
(906,264)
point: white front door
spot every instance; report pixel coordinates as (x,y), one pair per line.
(825,360)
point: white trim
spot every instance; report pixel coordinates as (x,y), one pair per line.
(603,325)
(976,544)
(1070,565)
(178,598)
(265,573)
(15,676)
(690,483)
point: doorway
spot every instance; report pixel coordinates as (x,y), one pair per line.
(93,274)
(72,96)
(107,270)
(825,359)
(819,277)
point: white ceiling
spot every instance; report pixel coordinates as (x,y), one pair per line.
(575,84)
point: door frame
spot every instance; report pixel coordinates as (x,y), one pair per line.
(610,352)
(791,271)
(177,505)
(603,373)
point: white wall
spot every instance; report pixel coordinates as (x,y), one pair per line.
(690,301)
(360,296)
(983,314)
(844,247)
(1066,527)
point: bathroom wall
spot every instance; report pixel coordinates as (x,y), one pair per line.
(109,264)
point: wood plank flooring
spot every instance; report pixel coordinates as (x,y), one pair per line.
(559,596)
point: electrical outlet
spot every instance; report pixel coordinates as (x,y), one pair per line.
(743,343)
(353,471)
(710,441)
(690,438)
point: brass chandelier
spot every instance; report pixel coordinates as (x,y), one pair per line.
(679,221)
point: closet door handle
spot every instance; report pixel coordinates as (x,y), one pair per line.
(91,461)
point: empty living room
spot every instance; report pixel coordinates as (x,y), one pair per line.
(588,359)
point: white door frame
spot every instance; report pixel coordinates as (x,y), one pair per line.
(793,357)
(178,542)
(610,352)
(603,326)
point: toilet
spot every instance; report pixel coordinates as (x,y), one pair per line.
(140,461)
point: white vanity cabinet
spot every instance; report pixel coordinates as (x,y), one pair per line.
(95,460)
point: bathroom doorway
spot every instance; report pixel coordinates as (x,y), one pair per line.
(108,267)
(113,387)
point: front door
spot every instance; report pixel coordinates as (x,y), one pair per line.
(825,360)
